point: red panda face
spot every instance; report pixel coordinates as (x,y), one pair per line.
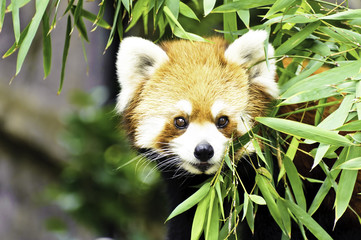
(185,101)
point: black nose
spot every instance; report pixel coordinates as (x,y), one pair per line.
(203,151)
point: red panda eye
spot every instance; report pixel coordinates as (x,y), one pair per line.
(180,122)
(222,122)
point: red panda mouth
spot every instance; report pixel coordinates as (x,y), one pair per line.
(202,166)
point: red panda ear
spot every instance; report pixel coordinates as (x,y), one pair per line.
(248,51)
(137,60)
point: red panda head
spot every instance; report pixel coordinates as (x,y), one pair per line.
(185,100)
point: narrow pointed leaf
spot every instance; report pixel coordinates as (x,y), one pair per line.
(14,47)
(65,53)
(16,19)
(41,6)
(296,39)
(199,218)
(306,131)
(208,6)
(2,13)
(322,80)
(352,164)
(46,46)
(126,4)
(295,182)
(187,11)
(191,201)
(358,96)
(344,191)
(279,5)
(112,32)
(308,221)
(235,6)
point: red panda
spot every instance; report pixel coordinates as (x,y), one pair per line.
(182,102)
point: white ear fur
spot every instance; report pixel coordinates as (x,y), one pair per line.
(249,50)
(137,60)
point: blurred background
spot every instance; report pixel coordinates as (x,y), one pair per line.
(66,170)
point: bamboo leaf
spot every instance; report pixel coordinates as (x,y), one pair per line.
(212,228)
(266,190)
(352,164)
(65,52)
(316,85)
(2,13)
(173,19)
(220,198)
(235,6)
(257,199)
(14,47)
(191,201)
(187,11)
(278,6)
(244,15)
(229,25)
(126,4)
(344,191)
(112,32)
(96,19)
(199,218)
(295,182)
(16,19)
(290,154)
(352,126)
(306,131)
(358,96)
(307,220)
(346,15)
(53,23)
(41,6)
(297,38)
(46,46)
(208,6)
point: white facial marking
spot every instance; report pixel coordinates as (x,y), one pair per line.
(217,107)
(185,145)
(148,131)
(184,106)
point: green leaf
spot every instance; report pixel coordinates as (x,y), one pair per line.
(65,52)
(53,23)
(220,198)
(173,19)
(2,13)
(199,218)
(358,96)
(352,126)
(96,19)
(307,220)
(112,32)
(338,117)
(278,6)
(352,164)
(229,25)
(311,87)
(173,6)
(14,47)
(126,4)
(303,18)
(212,228)
(344,191)
(187,11)
(257,199)
(187,35)
(16,19)
(306,131)
(46,46)
(239,5)
(346,15)
(191,201)
(244,15)
(297,38)
(295,182)
(41,6)
(266,189)
(290,154)
(208,6)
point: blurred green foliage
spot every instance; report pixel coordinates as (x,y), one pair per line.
(118,202)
